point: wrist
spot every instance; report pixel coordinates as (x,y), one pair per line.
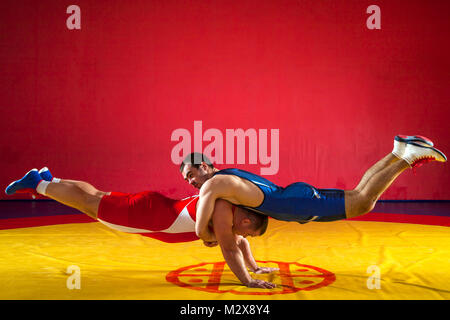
(254,269)
(248,282)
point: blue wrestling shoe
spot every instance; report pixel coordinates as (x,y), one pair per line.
(28,183)
(45,174)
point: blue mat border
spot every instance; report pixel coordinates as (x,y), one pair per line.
(17,208)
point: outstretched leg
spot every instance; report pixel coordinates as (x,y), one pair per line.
(47,176)
(377,167)
(76,194)
(400,142)
(409,152)
(359,202)
(87,187)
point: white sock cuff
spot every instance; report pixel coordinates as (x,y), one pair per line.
(42,187)
(56,180)
(408,158)
(396,154)
(399,149)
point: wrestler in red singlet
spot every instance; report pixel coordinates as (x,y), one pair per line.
(150,214)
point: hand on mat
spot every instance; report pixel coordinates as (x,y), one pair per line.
(210,243)
(262,270)
(256,283)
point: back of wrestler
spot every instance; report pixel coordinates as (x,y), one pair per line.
(298,201)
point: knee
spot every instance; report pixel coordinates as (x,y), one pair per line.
(365,203)
(99,194)
(91,203)
(360,204)
(366,206)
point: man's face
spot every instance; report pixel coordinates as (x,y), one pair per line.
(196,177)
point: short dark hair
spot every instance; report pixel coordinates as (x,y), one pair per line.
(195,159)
(259,221)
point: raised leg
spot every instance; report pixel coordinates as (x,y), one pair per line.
(85,186)
(76,194)
(377,167)
(362,201)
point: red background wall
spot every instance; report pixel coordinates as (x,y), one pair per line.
(99,104)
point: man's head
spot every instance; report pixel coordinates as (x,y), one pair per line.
(249,223)
(196,168)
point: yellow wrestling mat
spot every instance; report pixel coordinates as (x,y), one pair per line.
(337,260)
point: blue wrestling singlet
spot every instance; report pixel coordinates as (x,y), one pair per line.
(298,201)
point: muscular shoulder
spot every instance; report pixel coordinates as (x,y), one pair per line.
(221,179)
(219,184)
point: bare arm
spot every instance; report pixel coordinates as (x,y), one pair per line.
(211,190)
(247,253)
(232,253)
(244,245)
(235,260)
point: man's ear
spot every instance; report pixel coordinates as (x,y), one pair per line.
(246,221)
(204,166)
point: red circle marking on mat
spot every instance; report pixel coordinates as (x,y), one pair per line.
(292,278)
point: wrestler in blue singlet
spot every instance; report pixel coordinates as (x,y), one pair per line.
(298,201)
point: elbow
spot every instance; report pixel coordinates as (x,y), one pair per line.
(240,241)
(201,233)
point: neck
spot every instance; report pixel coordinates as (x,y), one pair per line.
(212,172)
